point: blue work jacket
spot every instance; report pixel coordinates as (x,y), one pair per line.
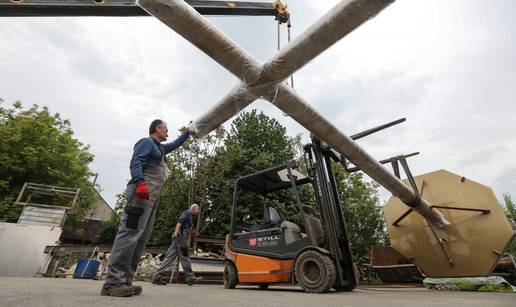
(148,153)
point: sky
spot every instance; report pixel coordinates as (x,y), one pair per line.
(447,66)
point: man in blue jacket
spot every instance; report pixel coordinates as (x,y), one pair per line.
(179,248)
(148,174)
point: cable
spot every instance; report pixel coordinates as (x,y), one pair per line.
(289,25)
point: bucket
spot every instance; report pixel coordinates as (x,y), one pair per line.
(86,269)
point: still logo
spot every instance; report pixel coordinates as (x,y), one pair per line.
(252,242)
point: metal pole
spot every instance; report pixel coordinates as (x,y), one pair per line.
(308,117)
(376,129)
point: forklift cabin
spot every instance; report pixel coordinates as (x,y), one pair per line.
(276,250)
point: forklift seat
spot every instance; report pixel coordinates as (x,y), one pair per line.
(271,217)
(291,231)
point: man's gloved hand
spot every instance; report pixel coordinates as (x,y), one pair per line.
(186,129)
(192,128)
(142,191)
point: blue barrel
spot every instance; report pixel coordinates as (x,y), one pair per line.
(86,269)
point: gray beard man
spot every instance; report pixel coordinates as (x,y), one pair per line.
(148,174)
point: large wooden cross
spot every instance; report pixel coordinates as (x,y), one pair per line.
(266,80)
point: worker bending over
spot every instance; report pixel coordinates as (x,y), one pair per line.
(179,248)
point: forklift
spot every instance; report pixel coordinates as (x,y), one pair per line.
(276,250)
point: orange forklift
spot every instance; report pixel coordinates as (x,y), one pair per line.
(317,255)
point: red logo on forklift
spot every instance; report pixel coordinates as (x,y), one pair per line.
(252,242)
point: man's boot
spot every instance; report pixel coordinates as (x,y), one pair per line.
(137,290)
(120,290)
(159,281)
(192,280)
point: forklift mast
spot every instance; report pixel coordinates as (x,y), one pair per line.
(318,158)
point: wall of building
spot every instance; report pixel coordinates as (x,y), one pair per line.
(100,211)
(22,248)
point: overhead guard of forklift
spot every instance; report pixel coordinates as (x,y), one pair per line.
(272,179)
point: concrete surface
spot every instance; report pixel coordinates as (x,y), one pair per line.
(22,248)
(33,292)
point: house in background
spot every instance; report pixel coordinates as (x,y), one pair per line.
(100,211)
(88,230)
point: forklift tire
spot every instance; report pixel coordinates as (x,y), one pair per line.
(315,272)
(230,276)
(263,286)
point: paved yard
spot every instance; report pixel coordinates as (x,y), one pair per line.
(32,292)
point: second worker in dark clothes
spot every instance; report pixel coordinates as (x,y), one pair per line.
(148,174)
(179,248)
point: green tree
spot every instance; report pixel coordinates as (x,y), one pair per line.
(40,147)
(259,141)
(190,173)
(510,212)
(362,212)
(254,142)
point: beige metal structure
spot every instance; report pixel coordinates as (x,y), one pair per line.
(470,246)
(53,214)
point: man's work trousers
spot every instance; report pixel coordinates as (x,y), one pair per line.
(178,248)
(134,229)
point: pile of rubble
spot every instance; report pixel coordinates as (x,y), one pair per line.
(148,265)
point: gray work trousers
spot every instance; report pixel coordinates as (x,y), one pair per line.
(134,229)
(178,248)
